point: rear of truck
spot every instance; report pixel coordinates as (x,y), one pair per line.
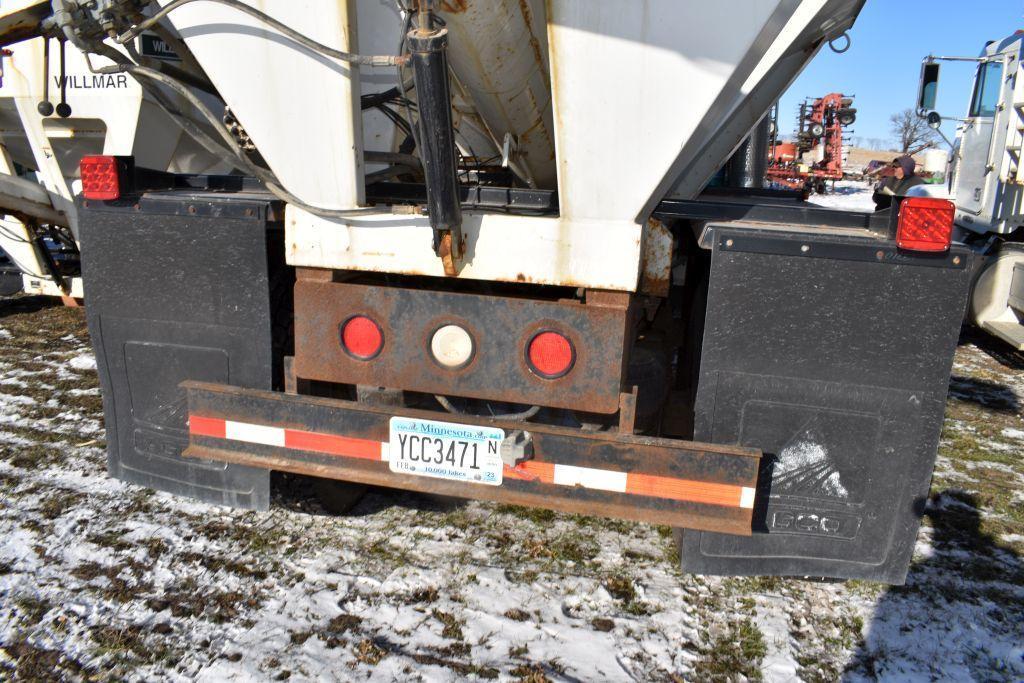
(482,266)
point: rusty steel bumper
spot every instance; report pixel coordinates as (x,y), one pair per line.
(660,481)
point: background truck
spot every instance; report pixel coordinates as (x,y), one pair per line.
(44,137)
(468,252)
(986,181)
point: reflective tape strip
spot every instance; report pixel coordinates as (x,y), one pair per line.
(686,489)
(589,478)
(631,483)
(249,433)
(333,445)
(206,426)
(649,485)
(297,439)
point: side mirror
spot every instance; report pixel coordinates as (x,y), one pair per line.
(934,120)
(929,87)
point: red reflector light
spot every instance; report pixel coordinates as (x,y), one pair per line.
(101,177)
(926,224)
(550,355)
(361,337)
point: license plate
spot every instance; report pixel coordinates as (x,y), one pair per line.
(445,450)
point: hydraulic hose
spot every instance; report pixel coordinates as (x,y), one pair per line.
(266,176)
(512,417)
(361,60)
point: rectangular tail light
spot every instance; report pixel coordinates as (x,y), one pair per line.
(103,177)
(925,224)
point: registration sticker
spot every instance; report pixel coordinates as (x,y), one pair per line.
(446,450)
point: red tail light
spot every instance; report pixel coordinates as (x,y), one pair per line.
(361,337)
(926,224)
(550,355)
(101,177)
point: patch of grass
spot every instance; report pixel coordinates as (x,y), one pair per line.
(34,456)
(117,589)
(532,673)
(31,608)
(535,515)
(299,637)
(112,539)
(155,547)
(217,564)
(516,614)
(368,652)
(452,626)
(10,480)
(343,623)
(29,662)
(421,596)
(127,640)
(736,649)
(131,644)
(623,588)
(140,502)
(620,587)
(188,599)
(57,504)
(461,668)
(333,633)
(562,549)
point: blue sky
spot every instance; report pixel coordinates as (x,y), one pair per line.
(882,67)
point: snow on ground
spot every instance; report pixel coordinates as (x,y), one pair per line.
(848,195)
(101,580)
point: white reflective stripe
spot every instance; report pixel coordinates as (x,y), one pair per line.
(588,478)
(747,497)
(241,431)
(385,450)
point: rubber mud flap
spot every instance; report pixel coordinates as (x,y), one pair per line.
(170,297)
(835,362)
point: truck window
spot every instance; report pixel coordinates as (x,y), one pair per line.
(987,85)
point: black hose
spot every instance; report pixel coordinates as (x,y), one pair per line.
(512,417)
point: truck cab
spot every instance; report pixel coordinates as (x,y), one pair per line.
(987,181)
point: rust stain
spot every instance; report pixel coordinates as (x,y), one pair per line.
(448,258)
(453,6)
(657,247)
(524,7)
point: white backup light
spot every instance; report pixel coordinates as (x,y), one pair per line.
(451,346)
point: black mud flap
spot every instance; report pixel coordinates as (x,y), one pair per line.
(177,288)
(831,354)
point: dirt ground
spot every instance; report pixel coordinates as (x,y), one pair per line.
(101,580)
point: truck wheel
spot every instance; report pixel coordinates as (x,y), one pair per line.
(338,497)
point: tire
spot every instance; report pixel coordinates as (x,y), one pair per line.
(338,497)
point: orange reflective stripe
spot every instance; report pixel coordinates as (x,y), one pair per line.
(332,444)
(684,489)
(206,426)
